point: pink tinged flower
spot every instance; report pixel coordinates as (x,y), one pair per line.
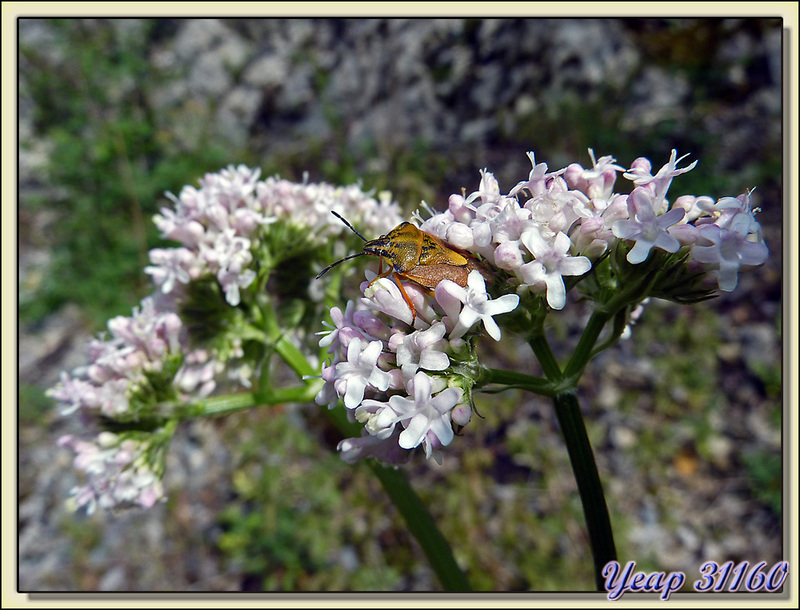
(139,330)
(112,397)
(730,249)
(587,238)
(726,209)
(359,371)
(341,322)
(233,252)
(461,414)
(117,473)
(658,184)
(198,376)
(423,349)
(387,450)
(509,224)
(694,206)
(460,236)
(645,228)
(371,325)
(457,207)
(246,220)
(639,171)
(477,305)
(437,224)
(508,256)
(384,296)
(177,226)
(597,182)
(232,282)
(552,262)
(426,418)
(169,266)
(488,190)
(481,232)
(72,394)
(327,394)
(555,210)
(425,414)
(616,210)
(537,178)
(378,418)
(686,234)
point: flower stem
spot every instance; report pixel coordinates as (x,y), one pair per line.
(545,356)
(584,467)
(229,403)
(422,526)
(418,519)
(508,380)
(584,350)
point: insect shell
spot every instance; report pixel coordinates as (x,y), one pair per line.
(414,255)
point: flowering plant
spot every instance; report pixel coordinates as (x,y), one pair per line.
(239,291)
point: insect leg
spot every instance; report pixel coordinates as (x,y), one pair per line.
(406,298)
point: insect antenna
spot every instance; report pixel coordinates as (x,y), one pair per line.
(331,266)
(349,226)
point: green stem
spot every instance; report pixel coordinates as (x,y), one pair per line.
(230,403)
(573,429)
(508,380)
(584,467)
(294,357)
(583,351)
(545,356)
(620,322)
(422,526)
(222,405)
(418,519)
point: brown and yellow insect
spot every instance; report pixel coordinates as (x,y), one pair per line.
(413,254)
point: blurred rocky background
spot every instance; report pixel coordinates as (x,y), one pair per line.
(685,418)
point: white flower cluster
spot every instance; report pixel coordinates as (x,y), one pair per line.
(392,367)
(554,224)
(117,368)
(219,224)
(118,473)
(375,353)
(109,386)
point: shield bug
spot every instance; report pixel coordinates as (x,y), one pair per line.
(412,254)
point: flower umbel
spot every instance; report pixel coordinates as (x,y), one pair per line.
(211,323)
(550,226)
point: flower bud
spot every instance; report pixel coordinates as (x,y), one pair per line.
(461,414)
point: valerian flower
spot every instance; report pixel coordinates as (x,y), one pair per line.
(645,228)
(551,262)
(118,472)
(359,371)
(421,349)
(730,249)
(402,360)
(425,415)
(657,185)
(478,305)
